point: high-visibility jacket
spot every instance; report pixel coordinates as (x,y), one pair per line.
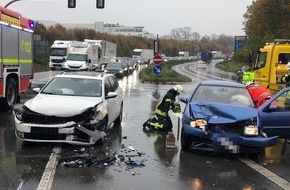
(286,80)
(248,76)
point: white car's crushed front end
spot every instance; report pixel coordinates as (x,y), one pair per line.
(83,128)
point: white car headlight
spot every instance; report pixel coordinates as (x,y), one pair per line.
(251,130)
(17,111)
(102,111)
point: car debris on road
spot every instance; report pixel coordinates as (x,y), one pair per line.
(128,158)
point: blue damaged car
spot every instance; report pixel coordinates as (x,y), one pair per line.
(220,116)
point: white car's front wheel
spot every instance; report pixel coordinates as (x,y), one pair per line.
(120,117)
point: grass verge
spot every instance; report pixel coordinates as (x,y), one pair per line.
(166,76)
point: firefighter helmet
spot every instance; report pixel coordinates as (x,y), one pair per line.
(288,66)
(178,88)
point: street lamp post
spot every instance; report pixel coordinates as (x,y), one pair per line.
(11,3)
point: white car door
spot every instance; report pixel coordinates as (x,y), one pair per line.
(114,103)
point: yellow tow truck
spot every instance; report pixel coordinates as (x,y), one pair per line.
(269,67)
(270,64)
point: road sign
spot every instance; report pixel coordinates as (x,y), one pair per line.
(157,69)
(157,59)
(240,42)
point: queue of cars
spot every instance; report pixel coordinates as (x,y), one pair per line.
(121,67)
(73,107)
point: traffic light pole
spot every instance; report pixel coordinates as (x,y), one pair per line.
(156,94)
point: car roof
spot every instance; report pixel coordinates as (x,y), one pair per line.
(222,83)
(83,74)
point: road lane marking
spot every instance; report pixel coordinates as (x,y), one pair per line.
(267,173)
(49,171)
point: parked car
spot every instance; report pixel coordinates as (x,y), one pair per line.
(274,115)
(220,116)
(73,107)
(116,69)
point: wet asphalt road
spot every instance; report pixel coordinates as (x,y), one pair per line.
(133,159)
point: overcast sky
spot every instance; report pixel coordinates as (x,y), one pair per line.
(206,17)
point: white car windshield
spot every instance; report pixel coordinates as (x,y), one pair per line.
(74,87)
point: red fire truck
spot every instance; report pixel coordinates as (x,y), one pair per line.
(16,56)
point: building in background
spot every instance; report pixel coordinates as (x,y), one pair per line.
(115,29)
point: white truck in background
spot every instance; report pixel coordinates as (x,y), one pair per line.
(183,55)
(142,56)
(106,52)
(217,54)
(58,53)
(81,56)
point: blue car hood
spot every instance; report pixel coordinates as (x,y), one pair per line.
(217,113)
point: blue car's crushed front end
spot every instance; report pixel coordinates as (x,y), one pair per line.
(227,128)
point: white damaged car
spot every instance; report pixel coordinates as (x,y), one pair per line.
(73,107)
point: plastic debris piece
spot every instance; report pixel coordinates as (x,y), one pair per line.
(138,162)
(141,153)
(131,147)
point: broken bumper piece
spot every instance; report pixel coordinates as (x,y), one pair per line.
(69,132)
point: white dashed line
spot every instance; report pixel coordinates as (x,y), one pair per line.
(49,171)
(267,173)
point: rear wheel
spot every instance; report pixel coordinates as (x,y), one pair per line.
(10,95)
(185,140)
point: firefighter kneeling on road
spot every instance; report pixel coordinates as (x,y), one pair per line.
(162,121)
(259,94)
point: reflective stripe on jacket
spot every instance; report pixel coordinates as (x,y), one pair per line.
(165,104)
(284,80)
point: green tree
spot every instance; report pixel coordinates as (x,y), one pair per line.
(40,29)
(266,20)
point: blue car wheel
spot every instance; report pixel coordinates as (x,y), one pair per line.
(186,140)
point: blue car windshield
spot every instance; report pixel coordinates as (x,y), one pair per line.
(223,94)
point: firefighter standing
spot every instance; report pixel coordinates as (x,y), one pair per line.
(248,75)
(286,80)
(163,121)
(259,94)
